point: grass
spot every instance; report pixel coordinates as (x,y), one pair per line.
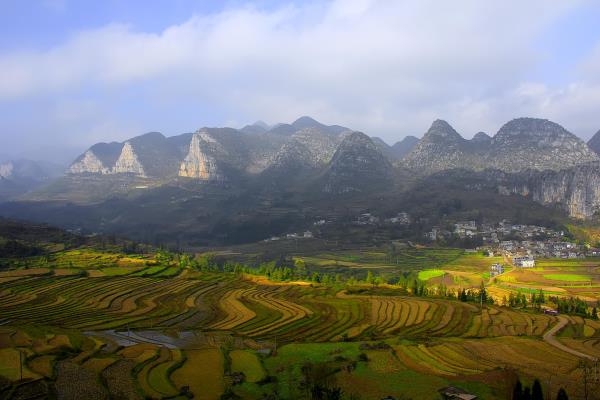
(430,273)
(247,363)
(118,271)
(568,277)
(11,364)
(203,373)
(409,258)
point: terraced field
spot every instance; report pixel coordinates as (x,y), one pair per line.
(160,335)
(284,311)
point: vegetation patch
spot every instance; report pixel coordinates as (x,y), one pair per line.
(430,273)
(247,363)
(568,277)
(203,373)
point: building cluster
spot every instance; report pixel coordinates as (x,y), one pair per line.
(494,234)
(291,236)
(523,261)
(549,248)
(516,240)
(402,218)
(496,269)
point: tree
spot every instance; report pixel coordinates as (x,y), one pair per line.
(594,313)
(300,266)
(315,277)
(562,395)
(370,278)
(482,293)
(541,298)
(536,391)
(518,391)
(526,393)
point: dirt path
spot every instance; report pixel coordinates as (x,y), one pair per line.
(550,338)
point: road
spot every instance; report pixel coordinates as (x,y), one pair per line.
(550,338)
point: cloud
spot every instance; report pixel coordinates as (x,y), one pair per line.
(386,67)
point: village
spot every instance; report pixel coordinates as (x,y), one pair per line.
(518,242)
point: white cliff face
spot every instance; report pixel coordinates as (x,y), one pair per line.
(90,164)
(128,162)
(198,163)
(6,170)
(575,190)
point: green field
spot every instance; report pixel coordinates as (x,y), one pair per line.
(568,277)
(430,273)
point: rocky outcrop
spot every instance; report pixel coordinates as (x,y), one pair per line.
(199,163)
(321,147)
(539,144)
(6,169)
(442,148)
(304,123)
(98,159)
(481,137)
(576,190)
(89,163)
(308,149)
(128,162)
(20,176)
(594,143)
(308,123)
(256,128)
(384,148)
(520,145)
(402,148)
(357,166)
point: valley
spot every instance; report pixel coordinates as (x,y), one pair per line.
(135,321)
(413,215)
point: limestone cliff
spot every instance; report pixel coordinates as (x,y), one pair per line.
(594,143)
(575,189)
(128,162)
(6,170)
(199,163)
(309,147)
(88,163)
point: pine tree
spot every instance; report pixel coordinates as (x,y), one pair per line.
(370,278)
(483,293)
(526,393)
(536,391)
(315,277)
(415,288)
(541,298)
(518,391)
(562,395)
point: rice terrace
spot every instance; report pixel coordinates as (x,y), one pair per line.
(94,318)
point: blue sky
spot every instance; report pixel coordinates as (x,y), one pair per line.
(77,72)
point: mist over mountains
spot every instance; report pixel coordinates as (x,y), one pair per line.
(263,180)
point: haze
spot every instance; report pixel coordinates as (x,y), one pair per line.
(77,72)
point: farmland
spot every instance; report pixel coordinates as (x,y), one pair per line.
(190,332)
(159,325)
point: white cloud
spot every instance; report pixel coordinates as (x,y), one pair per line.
(386,67)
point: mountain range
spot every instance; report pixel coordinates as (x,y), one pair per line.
(218,180)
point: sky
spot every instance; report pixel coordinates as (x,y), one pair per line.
(77,72)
